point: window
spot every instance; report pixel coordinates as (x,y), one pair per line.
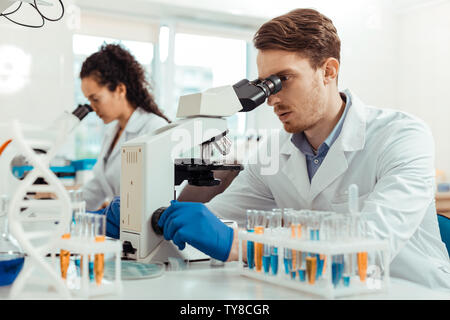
(202,62)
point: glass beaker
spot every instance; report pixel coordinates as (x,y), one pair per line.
(11,255)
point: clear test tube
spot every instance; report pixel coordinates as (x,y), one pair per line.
(90,237)
(87,226)
(81,204)
(251,220)
(275,227)
(99,258)
(260,225)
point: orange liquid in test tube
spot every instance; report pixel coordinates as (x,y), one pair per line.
(362,265)
(294,252)
(311,269)
(99,262)
(324,258)
(258,250)
(64,258)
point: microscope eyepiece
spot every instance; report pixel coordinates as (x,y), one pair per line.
(251,94)
(270,85)
(82,111)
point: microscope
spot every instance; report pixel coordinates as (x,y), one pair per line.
(150,167)
(41,140)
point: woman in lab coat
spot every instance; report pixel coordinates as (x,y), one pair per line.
(114,83)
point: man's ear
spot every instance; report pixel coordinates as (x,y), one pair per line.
(331,70)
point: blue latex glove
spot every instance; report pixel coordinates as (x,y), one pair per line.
(112,212)
(193,223)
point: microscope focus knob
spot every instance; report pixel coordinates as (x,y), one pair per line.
(155,218)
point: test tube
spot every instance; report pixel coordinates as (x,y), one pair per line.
(99,258)
(64,255)
(81,204)
(337,269)
(296,233)
(251,219)
(300,225)
(347,269)
(287,259)
(290,223)
(311,268)
(260,224)
(361,257)
(266,247)
(362,265)
(77,233)
(275,226)
(90,229)
(314,226)
(64,258)
(76,198)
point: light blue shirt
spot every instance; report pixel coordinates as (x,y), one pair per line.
(313,161)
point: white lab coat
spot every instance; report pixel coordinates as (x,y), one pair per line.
(105,183)
(390,156)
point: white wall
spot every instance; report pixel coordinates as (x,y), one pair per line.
(48,78)
(423,68)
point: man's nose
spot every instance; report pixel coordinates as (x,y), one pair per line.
(273,100)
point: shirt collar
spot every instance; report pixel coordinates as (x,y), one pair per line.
(300,141)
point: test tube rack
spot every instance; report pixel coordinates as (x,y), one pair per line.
(86,248)
(323,286)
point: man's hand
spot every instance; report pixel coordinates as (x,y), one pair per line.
(193,223)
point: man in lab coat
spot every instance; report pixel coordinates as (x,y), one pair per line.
(331,140)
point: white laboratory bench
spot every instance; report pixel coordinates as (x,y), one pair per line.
(200,281)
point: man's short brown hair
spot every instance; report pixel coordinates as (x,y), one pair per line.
(305,31)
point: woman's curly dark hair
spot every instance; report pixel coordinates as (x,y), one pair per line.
(113,64)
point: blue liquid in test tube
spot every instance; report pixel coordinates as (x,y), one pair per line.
(274,261)
(274,223)
(266,258)
(250,253)
(302,269)
(251,220)
(287,260)
(337,269)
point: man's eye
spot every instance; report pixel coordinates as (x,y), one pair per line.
(283,77)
